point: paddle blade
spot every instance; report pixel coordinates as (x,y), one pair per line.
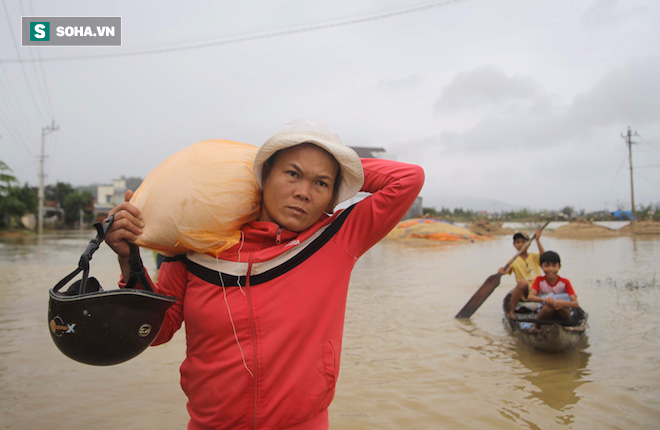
(480,296)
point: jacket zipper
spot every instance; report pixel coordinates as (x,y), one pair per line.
(255,383)
(255,378)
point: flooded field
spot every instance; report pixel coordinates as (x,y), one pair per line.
(407,362)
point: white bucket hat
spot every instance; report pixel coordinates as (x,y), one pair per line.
(305,131)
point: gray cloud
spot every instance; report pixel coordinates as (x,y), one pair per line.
(485,85)
(611,13)
(486,96)
(629,93)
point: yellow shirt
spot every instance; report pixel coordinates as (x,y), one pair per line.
(527,269)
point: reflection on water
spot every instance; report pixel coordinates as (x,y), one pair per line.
(553,377)
(556,376)
(406,362)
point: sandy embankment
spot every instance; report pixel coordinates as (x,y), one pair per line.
(422,229)
(488,228)
(642,228)
(583,229)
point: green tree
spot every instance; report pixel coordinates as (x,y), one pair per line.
(73,203)
(10,202)
(568,211)
(57,193)
(30,197)
(647,212)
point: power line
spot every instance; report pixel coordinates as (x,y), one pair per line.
(15,118)
(649,153)
(42,83)
(15,136)
(616,179)
(647,180)
(11,31)
(304,28)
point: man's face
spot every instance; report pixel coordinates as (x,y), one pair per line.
(298,187)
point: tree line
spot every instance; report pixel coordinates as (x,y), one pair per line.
(567,213)
(17,201)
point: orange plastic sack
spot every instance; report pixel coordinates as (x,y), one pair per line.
(198,199)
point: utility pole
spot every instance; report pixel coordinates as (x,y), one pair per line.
(628,137)
(44,131)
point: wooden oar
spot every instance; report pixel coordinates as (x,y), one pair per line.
(490,284)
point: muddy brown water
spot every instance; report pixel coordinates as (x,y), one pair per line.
(407,363)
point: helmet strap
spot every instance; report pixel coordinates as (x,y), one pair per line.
(138,274)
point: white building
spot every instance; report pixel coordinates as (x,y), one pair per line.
(109,196)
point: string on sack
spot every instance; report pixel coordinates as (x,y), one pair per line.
(233,326)
(238,262)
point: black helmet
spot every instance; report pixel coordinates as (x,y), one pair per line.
(99,327)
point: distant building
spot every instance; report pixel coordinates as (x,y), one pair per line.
(622,215)
(371,152)
(109,196)
(104,195)
(53,214)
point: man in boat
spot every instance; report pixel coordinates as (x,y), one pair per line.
(556,293)
(526,268)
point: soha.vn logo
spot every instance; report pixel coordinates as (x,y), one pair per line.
(40,31)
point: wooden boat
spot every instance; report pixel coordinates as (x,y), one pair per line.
(553,335)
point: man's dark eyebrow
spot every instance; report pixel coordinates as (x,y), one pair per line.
(295,166)
(326,178)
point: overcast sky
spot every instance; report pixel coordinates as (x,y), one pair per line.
(503,102)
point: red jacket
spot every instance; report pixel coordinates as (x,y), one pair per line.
(264,322)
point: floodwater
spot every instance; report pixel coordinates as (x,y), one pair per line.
(407,362)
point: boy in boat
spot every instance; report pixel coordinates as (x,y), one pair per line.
(556,293)
(526,268)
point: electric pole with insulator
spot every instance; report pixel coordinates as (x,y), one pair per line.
(44,132)
(628,137)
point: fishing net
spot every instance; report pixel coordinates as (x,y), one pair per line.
(198,199)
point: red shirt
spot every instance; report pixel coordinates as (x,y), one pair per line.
(543,287)
(264,321)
